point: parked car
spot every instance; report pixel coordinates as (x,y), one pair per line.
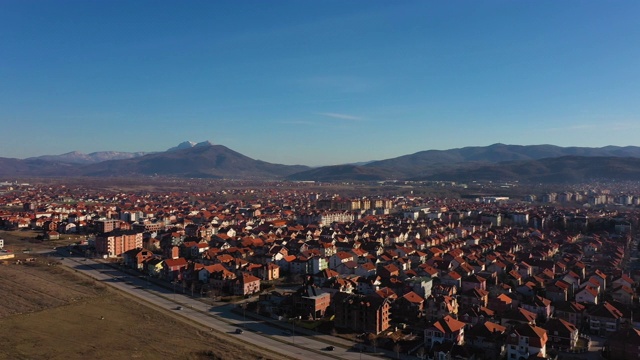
(239,331)
(179,308)
(329,348)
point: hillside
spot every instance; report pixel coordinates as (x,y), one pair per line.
(540,163)
(206,161)
(417,164)
(341,173)
(566,169)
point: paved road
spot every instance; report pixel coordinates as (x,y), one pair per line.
(219,319)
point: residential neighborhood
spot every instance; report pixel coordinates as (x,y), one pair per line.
(478,278)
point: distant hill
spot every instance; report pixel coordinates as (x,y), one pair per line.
(36,167)
(420,163)
(539,163)
(494,162)
(76,157)
(565,169)
(204,161)
(341,173)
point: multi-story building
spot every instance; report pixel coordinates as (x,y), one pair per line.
(106,226)
(361,313)
(312,305)
(115,244)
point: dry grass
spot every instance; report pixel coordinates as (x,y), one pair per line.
(18,240)
(51,313)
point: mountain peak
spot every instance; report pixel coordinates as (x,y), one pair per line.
(203,143)
(189,145)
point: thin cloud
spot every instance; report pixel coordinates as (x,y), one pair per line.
(341,116)
(574,127)
(297,122)
(625,126)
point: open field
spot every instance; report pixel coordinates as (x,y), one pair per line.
(19,240)
(48,312)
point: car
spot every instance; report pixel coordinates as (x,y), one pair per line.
(179,308)
(239,331)
(329,348)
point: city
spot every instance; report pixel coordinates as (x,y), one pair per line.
(287,180)
(551,275)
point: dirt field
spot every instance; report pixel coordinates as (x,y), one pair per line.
(47,312)
(19,240)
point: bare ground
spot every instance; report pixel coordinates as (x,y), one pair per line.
(47,312)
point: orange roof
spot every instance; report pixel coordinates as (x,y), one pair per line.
(448,325)
(412,297)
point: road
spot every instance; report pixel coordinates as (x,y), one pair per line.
(220,318)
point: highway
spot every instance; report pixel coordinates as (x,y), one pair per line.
(219,318)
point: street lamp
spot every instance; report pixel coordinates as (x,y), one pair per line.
(293,328)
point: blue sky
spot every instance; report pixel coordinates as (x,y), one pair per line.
(316,82)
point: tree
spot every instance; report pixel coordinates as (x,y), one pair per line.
(397,349)
(374,343)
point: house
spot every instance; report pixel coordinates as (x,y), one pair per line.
(500,303)
(173,269)
(474,297)
(361,313)
(408,308)
(572,312)
(52,235)
(444,329)
(518,316)
(623,294)
(588,295)
(525,341)
(487,338)
(477,315)
(246,284)
(604,319)
(136,258)
(558,291)
(340,257)
(310,304)
(440,305)
(625,280)
(562,334)
(269,272)
(421,285)
(474,282)
(538,305)
(449,350)
(623,345)
(154,267)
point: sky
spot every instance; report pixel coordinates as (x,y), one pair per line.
(316,82)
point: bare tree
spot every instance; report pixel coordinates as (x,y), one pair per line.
(397,349)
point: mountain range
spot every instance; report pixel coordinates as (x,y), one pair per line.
(539,163)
